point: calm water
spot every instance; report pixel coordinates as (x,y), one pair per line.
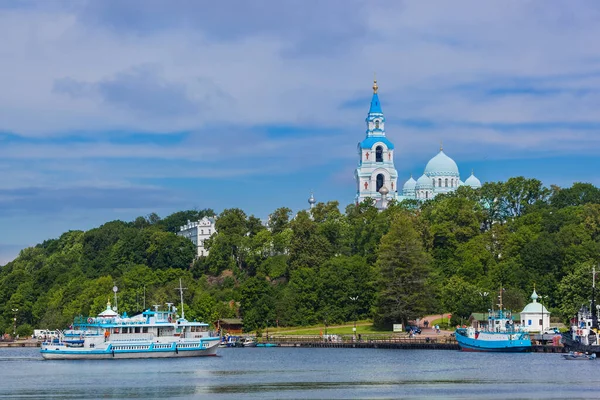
(286,373)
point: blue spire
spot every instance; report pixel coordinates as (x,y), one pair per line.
(375,105)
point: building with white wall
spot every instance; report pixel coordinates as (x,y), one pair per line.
(535,317)
(198,232)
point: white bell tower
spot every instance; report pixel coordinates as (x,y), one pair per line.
(376,169)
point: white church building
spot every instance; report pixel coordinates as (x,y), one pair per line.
(535,317)
(377,178)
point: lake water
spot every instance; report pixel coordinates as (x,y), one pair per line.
(286,373)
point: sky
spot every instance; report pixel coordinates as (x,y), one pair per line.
(118,108)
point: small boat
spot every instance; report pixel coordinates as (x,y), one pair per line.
(500,335)
(151,334)
(577,355)
(248,342)
(266,345)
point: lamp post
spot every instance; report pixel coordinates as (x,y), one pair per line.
(354,299)
(14,310)
(542,304)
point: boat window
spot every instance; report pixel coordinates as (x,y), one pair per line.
(145,329)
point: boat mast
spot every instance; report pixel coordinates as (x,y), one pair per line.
(500,313)
(181,289)
(593,306)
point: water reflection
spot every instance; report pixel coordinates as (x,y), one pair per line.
(303,373)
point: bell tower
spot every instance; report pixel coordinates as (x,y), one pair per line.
(376,177)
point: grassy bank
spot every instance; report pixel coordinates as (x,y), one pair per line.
(362,327)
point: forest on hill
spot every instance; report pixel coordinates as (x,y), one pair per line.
(451,254)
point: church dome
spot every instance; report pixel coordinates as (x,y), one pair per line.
(473,182)
(534,307)
(441,165)
(410,184)
(424,182)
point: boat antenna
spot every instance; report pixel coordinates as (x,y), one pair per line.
(181,289)
(594,311)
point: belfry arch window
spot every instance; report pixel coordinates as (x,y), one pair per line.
(379,154)
(426,195)
(433,180)
(380,180)
(452,182)
(440,182)
(377,124)
(446,182)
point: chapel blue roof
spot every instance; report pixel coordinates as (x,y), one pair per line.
(375,105)
(369,142)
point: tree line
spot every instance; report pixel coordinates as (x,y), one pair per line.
(450,254)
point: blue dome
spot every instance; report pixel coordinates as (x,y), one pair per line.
(369,142)
(441,165)
(473,182)
(410,184)
(424,182)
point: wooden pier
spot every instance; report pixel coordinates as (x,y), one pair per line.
(20,343)
(406,343)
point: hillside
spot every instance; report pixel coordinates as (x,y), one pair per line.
(324,266)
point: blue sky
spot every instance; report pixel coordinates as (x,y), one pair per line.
(114,109)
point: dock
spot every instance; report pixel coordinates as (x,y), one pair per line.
(20,343)
(403,343)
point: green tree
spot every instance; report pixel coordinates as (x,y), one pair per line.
(257,303)
(279,220)
(577,195)
(308,248)
(461,298)
(575,289)
(403,267)
(520,193)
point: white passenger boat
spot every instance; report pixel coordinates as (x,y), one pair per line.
(151,334)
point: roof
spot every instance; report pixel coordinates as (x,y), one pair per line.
(410,184)
(423,183)
(370,141)
(484,316)
(231,321)
(441,165)
(535,308)
(473,182)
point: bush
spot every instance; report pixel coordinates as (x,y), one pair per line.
(24,330)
